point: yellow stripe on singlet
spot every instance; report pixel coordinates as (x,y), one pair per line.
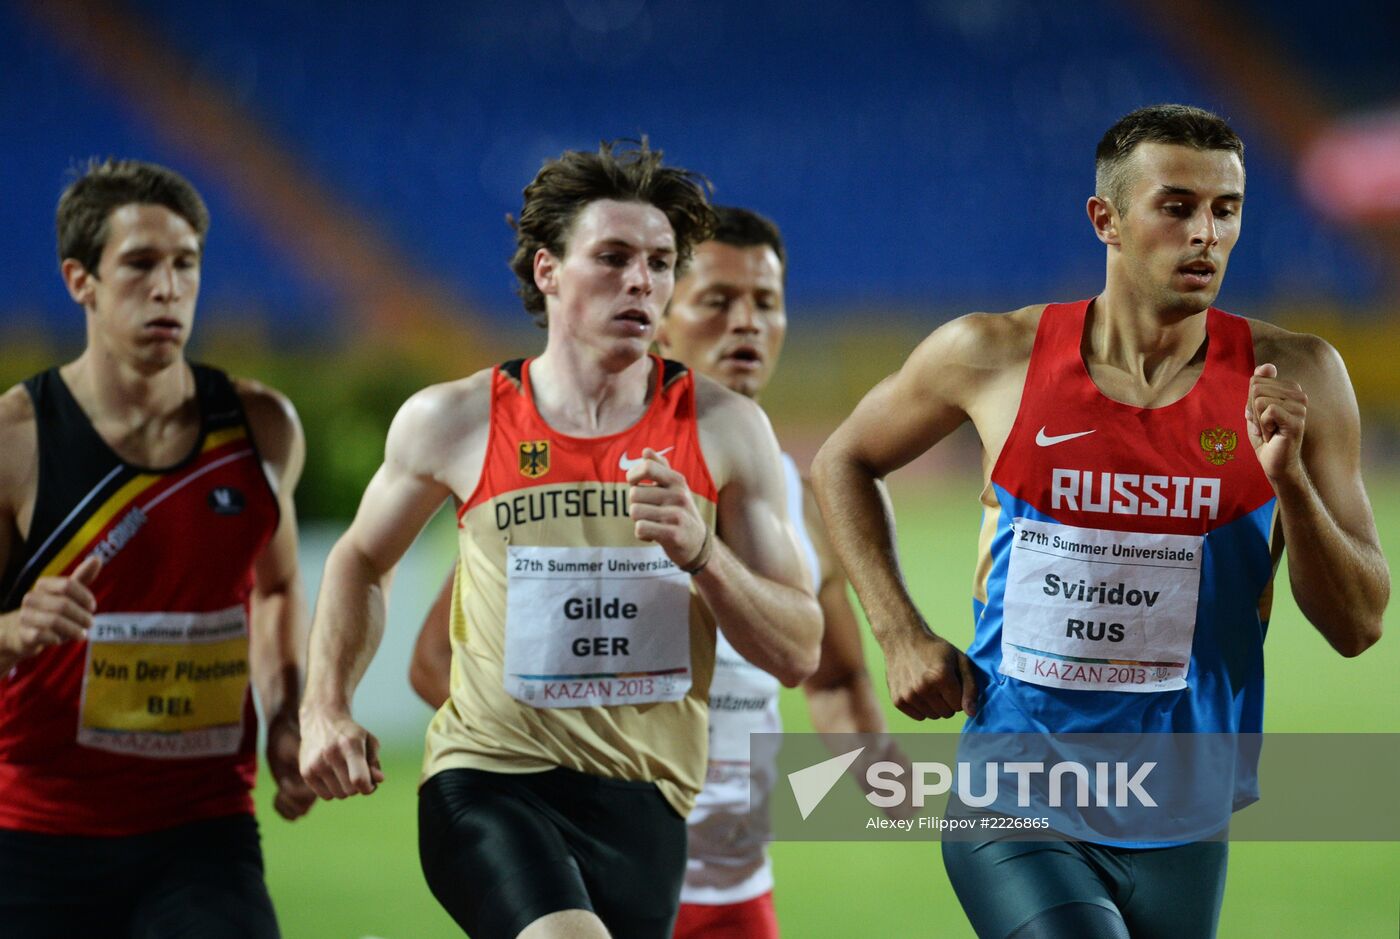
(119,501)
(220,437)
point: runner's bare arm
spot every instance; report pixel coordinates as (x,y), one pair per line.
(756,582)
(1306,430)
(430,672)
(277,634)
(840,697)
(753,578)
(902,417)
(56,609)
(339,757)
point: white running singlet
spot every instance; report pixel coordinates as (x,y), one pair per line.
(727,860)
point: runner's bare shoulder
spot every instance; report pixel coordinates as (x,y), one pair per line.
(735,433)
(966,354)
(714,402)
(274,422)
(1300,357)
(990,340)
(437,425)
(1318,369)
(451,406)
(19,443)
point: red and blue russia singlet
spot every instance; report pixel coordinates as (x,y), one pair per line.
(149,722)
(574,644)
(1125,572)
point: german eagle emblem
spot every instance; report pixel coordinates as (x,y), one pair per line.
(534,458)
(1219,445)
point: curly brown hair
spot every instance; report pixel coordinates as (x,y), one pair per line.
(627,171)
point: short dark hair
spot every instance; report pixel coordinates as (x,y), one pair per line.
(102,187)
(627,171)
(1178,124)
(744,228)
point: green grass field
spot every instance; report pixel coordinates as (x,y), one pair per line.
(350,869)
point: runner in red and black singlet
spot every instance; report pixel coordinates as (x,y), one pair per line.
(614,508)
(1146,458)
(148,544)
(149,722)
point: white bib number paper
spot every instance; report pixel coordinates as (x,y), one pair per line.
(1100,610)
(596,627)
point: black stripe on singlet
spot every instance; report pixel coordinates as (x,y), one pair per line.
(671,370)
(79,472)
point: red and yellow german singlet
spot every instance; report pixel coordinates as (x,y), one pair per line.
(148,723)
(575,644)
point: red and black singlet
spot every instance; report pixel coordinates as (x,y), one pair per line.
(149,722)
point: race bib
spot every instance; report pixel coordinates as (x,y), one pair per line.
(596,627)
(165,684)
(1100,610)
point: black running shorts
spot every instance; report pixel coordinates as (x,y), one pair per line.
(501,850)
(202,879)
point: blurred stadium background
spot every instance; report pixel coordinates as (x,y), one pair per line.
(923,158)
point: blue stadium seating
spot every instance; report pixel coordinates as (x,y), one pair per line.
(923,158)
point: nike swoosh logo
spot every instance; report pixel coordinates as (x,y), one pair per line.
(1043,439)
(625,464)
